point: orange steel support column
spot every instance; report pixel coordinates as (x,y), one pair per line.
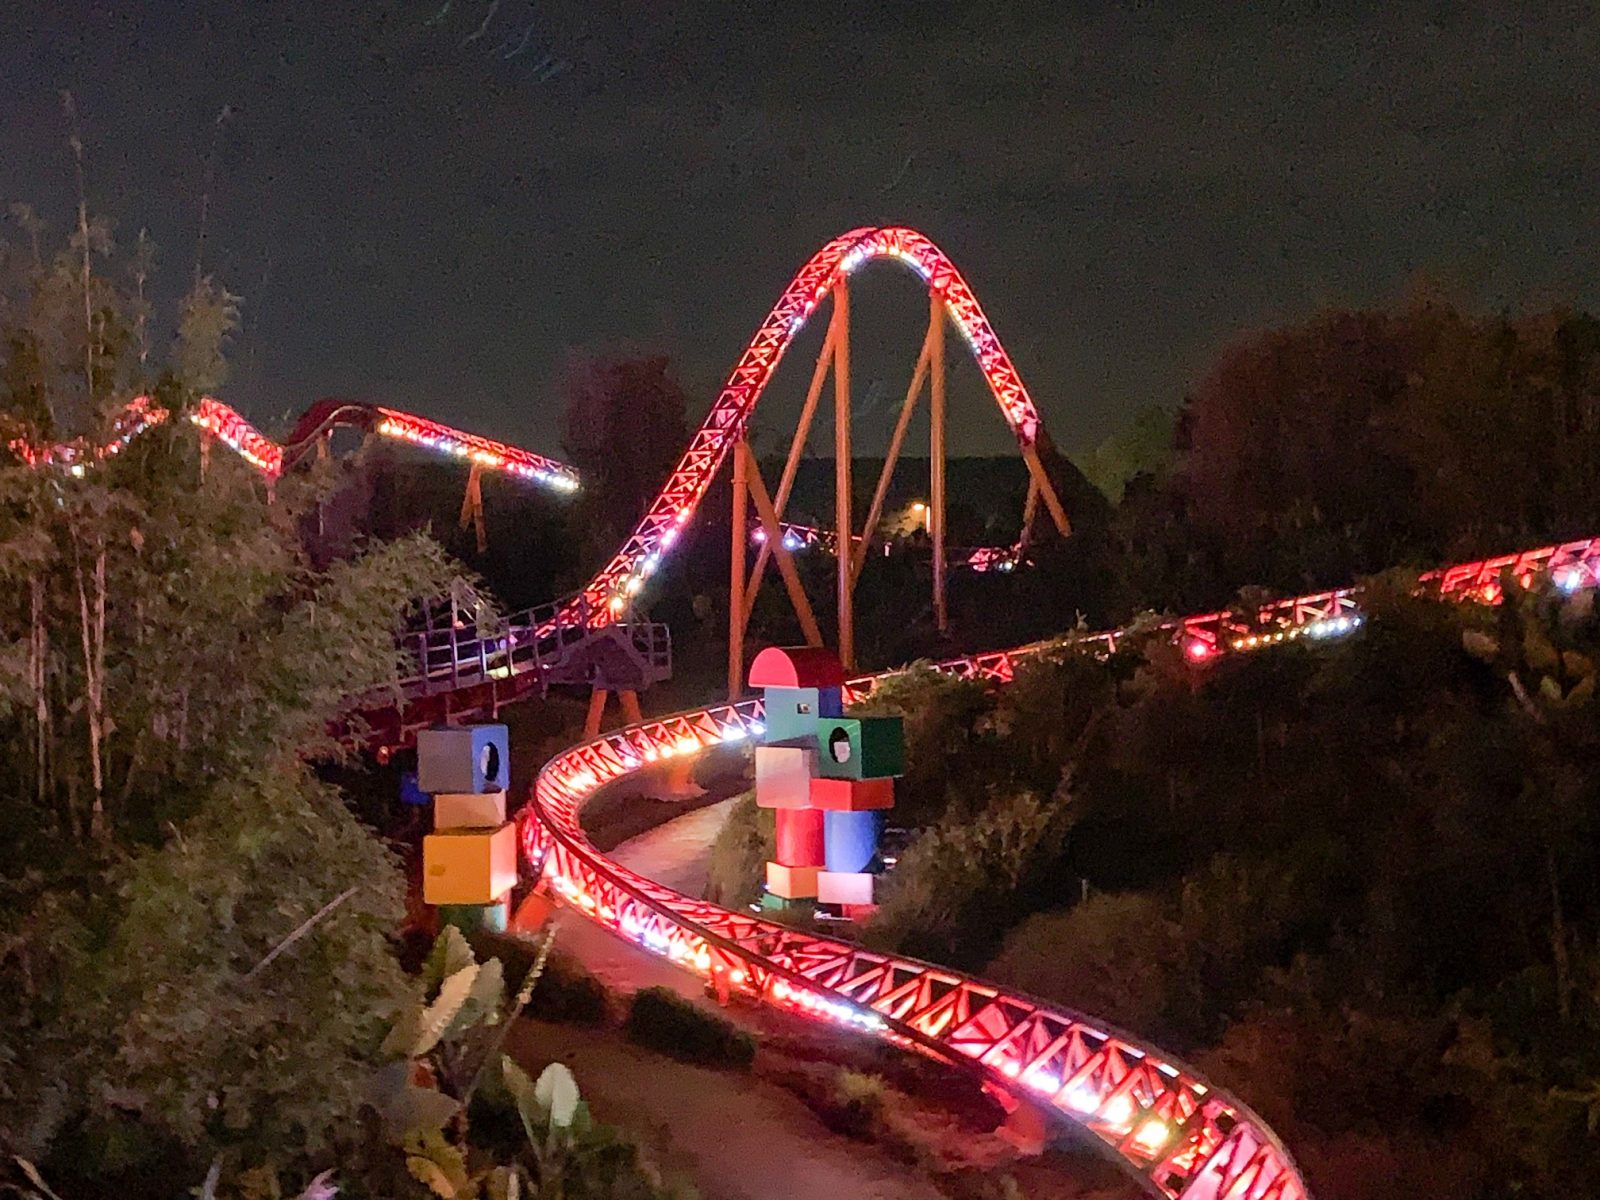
(797,447)
(736,612)
(472,506)
(769,522)
(596,714)
(631,711)
(841,474)
(875,510)
(941,614)
(1047,491)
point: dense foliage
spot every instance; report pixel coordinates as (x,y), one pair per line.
(624,425)
(193,929)
(1354,881)
(1358,440)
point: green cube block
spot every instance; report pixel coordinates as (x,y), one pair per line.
(861,747)
(471,918)
(771,902)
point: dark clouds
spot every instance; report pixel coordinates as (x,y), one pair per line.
(434,221)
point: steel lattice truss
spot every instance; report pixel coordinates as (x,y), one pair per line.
(1178,1134)
(610,590)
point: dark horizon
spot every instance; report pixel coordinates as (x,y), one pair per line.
(434,217)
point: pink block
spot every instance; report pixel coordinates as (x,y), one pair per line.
(851,888)
(783,776)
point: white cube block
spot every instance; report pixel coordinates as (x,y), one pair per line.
(469,810)
(783,776)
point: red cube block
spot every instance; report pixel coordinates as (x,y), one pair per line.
(852,795)
(800,837)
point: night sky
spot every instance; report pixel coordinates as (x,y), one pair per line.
(432,204)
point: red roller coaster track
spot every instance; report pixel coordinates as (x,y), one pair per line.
(625,574)
(233,430)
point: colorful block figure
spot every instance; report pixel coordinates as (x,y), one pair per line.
(475,918)
(463,758)
(798,686)
(861,747)
(827,776)
(792,883)
(852,795)
(801,840)
(850,840)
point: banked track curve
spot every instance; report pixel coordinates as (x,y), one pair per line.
(1176,1133)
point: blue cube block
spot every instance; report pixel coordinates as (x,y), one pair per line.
(850,840)
(410,792)
(463,759)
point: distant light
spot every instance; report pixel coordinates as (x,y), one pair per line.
(1571,580)
(1197,650)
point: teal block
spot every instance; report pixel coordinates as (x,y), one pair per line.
(471,918)
(861,747)
(791,713)
(775,903)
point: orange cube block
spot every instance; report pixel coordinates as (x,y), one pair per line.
(792,883)
(469,866)
(783,776)
(469,810)
(852,795)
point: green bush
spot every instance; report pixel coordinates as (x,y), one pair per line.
(663,1020)
(962,882)
(858,1101)
(946,719)
(744,844)
(1112,955)
(157,1004)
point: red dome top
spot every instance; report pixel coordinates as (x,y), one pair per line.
(796,667)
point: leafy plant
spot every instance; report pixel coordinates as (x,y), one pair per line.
(450,1039)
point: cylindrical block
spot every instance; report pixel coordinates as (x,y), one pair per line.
(850,839)
(800,837)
